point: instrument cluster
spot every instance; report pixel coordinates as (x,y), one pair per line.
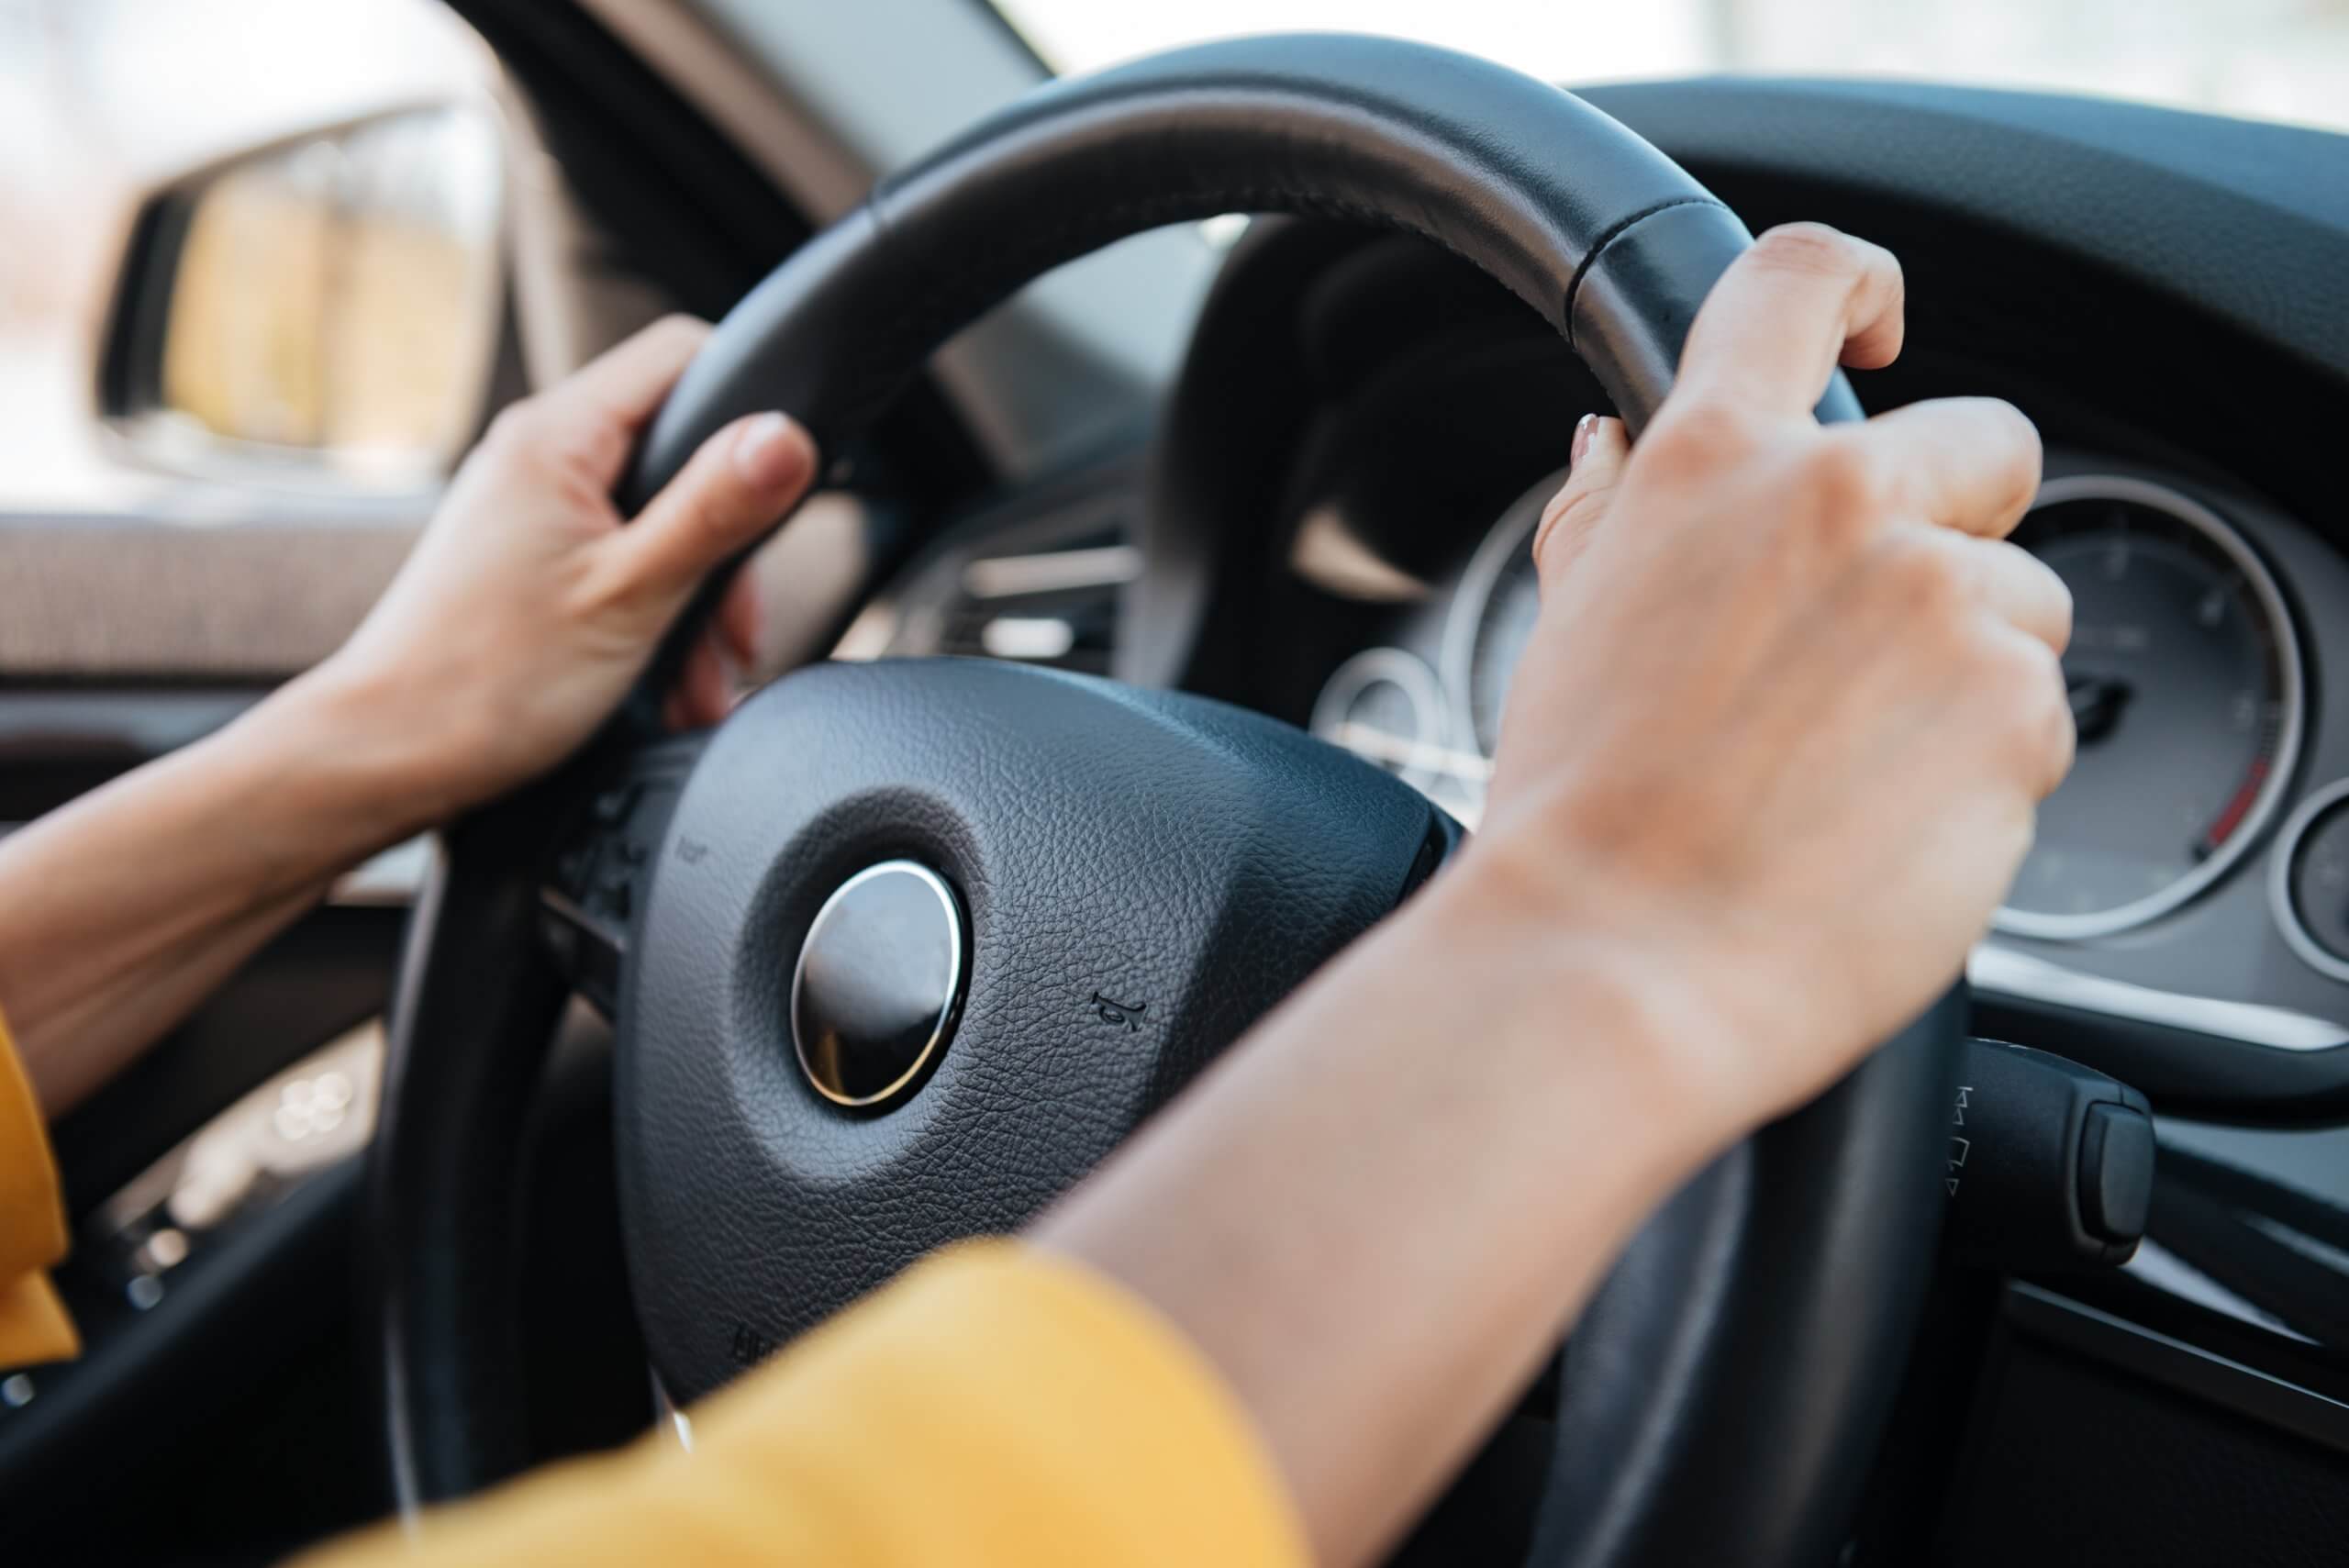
(2202,831)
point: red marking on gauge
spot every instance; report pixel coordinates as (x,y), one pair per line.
(2237,809)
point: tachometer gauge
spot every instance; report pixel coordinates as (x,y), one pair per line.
(1492,617)
(2185,678)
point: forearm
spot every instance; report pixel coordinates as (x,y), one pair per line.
(119,912)
(1377,1213)
(524,616)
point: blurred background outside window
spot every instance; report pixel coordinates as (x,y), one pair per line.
(2286,59)
(101,101)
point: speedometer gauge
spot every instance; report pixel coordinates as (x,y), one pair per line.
(2184,671)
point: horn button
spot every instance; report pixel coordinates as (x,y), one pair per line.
(925,940)
(879,978)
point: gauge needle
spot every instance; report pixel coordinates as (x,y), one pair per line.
(1378,745)
(2097,702)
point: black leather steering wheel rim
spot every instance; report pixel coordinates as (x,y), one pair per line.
(1731,1380)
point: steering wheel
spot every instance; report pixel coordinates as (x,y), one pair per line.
(904,949)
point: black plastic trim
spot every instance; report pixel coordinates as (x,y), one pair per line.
(263,1284)
(683,205)
(2183,1072)
(2174,1364)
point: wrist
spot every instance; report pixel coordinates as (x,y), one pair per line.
(1618,1003)
(337,757)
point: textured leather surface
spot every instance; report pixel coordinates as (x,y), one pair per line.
(1188,862)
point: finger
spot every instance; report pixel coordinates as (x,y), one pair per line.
(2041,712)
(1802,299)
(1599,451)
(738,620)
(1969,463)
(2016,585)
(705,691)
(597,409)
(730,493)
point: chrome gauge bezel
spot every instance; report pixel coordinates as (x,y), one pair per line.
(1411,674)
(2291,694)
(1457,655)
(2297,935)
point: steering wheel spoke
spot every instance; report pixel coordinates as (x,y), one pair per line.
(594,883)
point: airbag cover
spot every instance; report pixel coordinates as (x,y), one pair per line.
(1145,874)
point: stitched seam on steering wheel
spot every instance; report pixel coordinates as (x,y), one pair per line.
(1573,285)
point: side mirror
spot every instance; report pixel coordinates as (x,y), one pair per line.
(319,313)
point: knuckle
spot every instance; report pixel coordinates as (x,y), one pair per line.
(703,522)
(2022,683)
(1842,489)
(1933,591)
(2057,745)
(1806,248)
(713,511)
(680,327)
(1566,522)
(2021,435)
(592,586)
(2044,715)
(514,429)
(2018,452)
(2063,748)
(2051,609)
(1697,434)
(1556,508)
(1574,509)
(602,445)
(2060,613)
(1581,511)
(2022,673)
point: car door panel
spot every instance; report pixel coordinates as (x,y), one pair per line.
(239,601)
(126,638)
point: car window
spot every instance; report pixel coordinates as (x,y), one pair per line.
(2266,58)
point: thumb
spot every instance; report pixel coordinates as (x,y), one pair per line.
(728,492)
(1599,450)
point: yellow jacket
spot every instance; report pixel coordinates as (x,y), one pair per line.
(995,1406)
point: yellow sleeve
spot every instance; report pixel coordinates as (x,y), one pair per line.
(33,1324)
(996,1406)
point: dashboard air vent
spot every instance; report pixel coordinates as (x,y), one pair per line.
(1055,607)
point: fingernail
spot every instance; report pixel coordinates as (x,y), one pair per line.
(772,452)
(1583,428)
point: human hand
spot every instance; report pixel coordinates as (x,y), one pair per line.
(527,610)
(1779,732)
